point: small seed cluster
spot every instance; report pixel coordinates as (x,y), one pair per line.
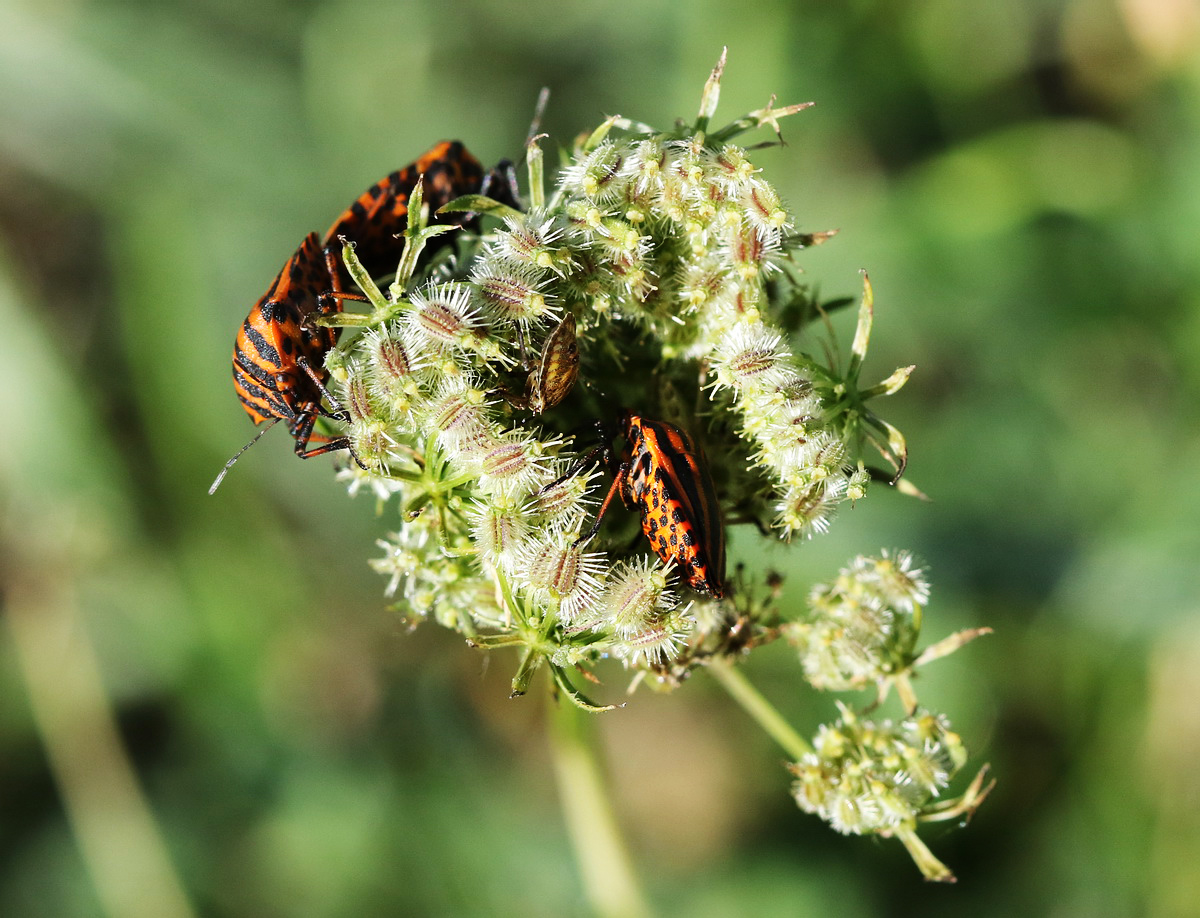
(864,777)
(862,627)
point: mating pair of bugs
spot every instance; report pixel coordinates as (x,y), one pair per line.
(279,353)
(279,356)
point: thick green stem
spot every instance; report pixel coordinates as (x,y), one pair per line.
(605,867)
(754,704)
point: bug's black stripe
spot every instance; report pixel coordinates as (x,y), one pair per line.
(245,365)
(255,386)
(268,406)
(266,399)
(251,383)
(259,412)
(289,308)
(689,490)
(263,412)
(265,349)
(692,490)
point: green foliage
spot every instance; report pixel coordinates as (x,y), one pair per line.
(1020,180)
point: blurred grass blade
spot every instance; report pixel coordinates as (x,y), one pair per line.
(118,837)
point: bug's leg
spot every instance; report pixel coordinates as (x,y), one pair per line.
(578,465)
(339,413)
(302,430)
(617,484)
(331,446)
(521,402)
(330,301)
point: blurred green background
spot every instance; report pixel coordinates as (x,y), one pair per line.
(1022,181)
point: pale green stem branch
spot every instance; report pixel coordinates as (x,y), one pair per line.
(931,868)
(763,712)
(606,869)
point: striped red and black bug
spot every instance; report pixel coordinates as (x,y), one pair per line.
(663,475)
(380,214)
(279,354)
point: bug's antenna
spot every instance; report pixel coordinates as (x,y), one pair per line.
(237,455)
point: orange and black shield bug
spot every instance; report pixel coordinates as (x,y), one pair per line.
(279,354)
(380,214)
(663,475)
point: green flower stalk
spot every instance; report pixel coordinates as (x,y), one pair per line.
(663,268)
